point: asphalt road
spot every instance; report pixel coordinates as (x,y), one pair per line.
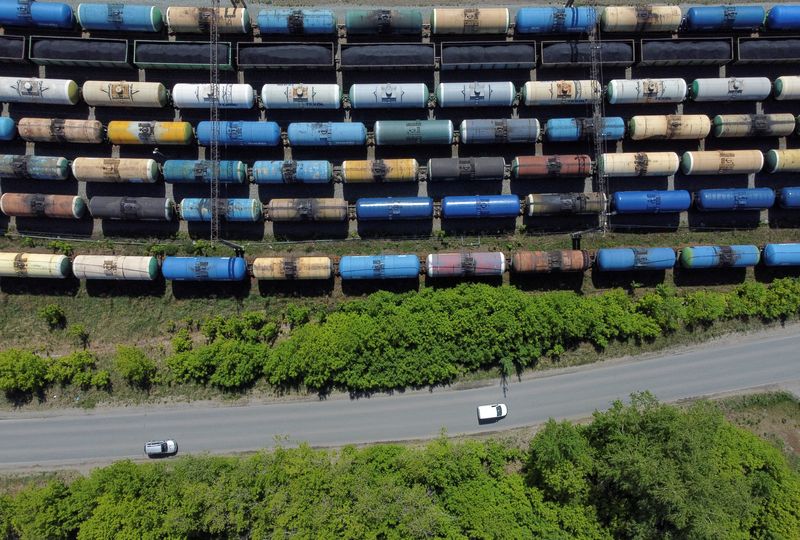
(75,438)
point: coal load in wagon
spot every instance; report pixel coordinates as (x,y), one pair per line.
(770,49)
(573,52)
(488,54)
(686,50)
(285,55)
(178,53)
(79,49)
(387,55)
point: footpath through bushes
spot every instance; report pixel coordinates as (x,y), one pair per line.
(641,471)
(389,341)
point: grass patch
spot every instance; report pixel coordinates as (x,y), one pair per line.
(773,416)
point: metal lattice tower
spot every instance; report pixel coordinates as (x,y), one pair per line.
(213,157)
(598,113)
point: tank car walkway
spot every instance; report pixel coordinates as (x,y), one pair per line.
(80,438)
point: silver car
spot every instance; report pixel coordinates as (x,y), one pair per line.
(161,448)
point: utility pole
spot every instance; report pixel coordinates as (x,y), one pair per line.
(214,118)
(598,113)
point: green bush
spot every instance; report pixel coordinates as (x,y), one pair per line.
(296,315)
(64,370)
(225,363)
(251,327)
(53,315)
(134,366)
(22,372)
(60,246)
(182,341)
(79,334)
(101,380)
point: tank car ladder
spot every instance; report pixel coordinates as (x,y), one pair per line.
(213,30)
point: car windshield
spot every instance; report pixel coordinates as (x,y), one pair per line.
(499,410)
(163,447)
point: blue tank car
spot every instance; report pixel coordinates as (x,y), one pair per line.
(204,268)
(8,130)
(36,14)
(699,257)
(292,172)
(297,21)
(394,208)
(713,18)
(480,206)
(627,259)
(782,255)
(379,267)
(241,133)
(709,200)
(327,134)
(199,209)
(124,17)
(789,197)
(576,129)
(555,20)
(651,202)
(187,171)
(784,17)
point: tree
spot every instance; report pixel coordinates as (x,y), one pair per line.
(134,366)
(22,372)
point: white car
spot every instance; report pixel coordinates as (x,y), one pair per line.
(161,448)
(495,411)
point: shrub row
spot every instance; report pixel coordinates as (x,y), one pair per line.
(389,340)
(641,471)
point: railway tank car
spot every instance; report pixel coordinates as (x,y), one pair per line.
(716,18)
(730,89)
(34,167)
(115,267)
(782,254)
(204,268)
(8,129)
(572,92)
(36,14)
(779,161)
(34,265)
(240,133)
(640,164)
(41,91)
(292,172)
(783,17)
(119,17)
(388,96)
(359,22)
(285,268)
(379,170)
(625,91)
(466,169)
(786,87)
(480,206)
(537,204)
(555,20)
(132,208)
(132,170)
(754,125)
(196,20)
(734,199)
(41,205)
(533,167)
(476,94)
(789,197)
(327,134)
(61,130)
(198,96)
(628,259)
(234,209)
(470,21)
(651,202)
(541,262)
(645,18)
(297,21)
(612,128)
(669,126)
(499,131)
(301,96)
(722,162)
(413,132)
(314,209)
(149,132)
(124,94)
(394,208)
(378,267)
(702,257)
(183,171)
(477,264)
